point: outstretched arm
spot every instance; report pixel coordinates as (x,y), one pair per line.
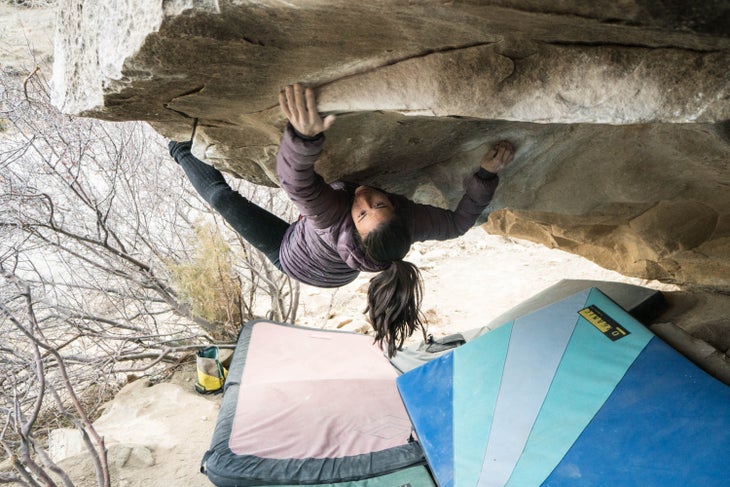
(431,223)
(300,148)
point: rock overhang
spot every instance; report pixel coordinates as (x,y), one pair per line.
(619,117)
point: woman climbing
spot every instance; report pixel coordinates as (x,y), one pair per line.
(344,229)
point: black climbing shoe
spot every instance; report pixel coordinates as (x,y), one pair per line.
(179,148)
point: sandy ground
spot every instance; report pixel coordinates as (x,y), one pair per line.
(158,434)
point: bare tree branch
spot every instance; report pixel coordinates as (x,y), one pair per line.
(94,221)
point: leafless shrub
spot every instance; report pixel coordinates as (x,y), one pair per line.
(95,220)
(33,369)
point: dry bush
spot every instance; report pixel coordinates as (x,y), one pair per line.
(209,283)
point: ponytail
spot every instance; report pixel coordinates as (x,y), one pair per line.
(394,302)
(395,294)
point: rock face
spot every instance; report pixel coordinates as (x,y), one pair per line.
(619,110)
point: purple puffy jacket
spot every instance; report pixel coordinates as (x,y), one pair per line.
(320,249)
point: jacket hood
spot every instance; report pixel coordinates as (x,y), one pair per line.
(350,251)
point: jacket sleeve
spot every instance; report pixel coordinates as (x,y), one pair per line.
(314,198)
(428,222)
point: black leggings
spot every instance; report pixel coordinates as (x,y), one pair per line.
(257,226)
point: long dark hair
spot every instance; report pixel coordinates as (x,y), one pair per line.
(395,294)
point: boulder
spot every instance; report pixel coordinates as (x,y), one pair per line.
(619,111)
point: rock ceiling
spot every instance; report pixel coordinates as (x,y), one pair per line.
(619,110)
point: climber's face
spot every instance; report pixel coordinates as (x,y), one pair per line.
(370,208)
